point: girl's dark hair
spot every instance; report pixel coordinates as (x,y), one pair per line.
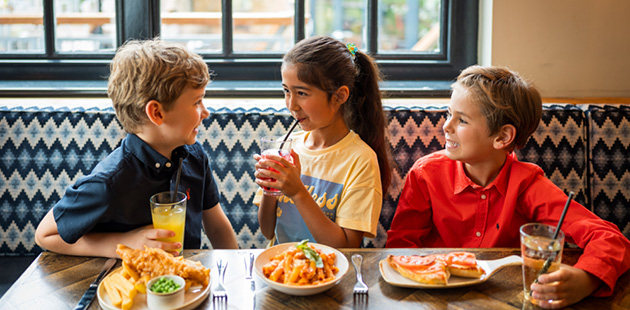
(328,64)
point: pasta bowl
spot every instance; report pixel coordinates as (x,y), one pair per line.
(300,290)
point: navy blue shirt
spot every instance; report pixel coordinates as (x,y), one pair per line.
(114,197)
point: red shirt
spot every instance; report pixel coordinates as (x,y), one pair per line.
(441,207)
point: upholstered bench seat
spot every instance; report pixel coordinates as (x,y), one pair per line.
(581,148)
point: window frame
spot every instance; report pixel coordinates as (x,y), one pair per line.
(83,74)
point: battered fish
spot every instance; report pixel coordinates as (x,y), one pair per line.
(154,262)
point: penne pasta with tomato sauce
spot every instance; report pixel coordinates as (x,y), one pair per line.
(293,267)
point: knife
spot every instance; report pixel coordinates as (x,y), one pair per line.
(87,298)
(249,276)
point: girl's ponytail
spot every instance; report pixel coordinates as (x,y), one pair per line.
(365,115)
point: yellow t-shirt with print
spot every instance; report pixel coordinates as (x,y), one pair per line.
(343,179)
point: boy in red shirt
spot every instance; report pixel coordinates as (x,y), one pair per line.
(475,192)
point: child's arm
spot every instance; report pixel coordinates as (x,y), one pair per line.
(412,221)
(565,287)
(288,181)
(267,216)
(100,244)
(219,229)
(606,251)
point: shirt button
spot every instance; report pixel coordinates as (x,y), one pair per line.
(478,234)
(483,196)
(168,164)
(157,165)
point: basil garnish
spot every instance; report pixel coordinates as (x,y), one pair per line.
(310,253)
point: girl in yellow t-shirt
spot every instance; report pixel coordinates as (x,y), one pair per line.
(333,190)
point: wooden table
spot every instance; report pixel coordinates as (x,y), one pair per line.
(56,281)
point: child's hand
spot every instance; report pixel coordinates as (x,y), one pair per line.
(261,179)
(287,177)
(565,287)
(148,236)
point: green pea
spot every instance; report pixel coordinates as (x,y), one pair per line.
(164,285)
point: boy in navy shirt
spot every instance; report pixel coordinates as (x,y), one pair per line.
(157,90)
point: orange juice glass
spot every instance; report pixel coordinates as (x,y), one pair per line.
(169,213)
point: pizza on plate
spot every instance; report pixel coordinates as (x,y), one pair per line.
(436,268)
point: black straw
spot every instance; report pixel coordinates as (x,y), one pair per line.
(288,133)
(555,236)
(179,172)
(564,212)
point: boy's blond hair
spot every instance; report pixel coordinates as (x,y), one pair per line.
(504,98)
(147,70)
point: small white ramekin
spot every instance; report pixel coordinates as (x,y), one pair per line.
(163,301)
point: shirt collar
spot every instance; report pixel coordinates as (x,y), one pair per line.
(462,181)
(502,180)
(150,157)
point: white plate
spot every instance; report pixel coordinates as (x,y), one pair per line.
(193,297)
(300,290)
(391,276)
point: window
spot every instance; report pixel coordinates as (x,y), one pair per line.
(62,47)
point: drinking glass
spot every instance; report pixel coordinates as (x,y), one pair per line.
(275,146)
(169,213)
(537,245)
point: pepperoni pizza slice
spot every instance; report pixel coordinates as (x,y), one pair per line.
(430,269)
(463,264)
(436,268)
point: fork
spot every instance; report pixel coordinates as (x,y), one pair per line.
(219,295)
(359,288)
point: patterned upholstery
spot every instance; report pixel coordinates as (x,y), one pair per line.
(559,147)
(610,165)
(412,133)
(231,139)
(42,151)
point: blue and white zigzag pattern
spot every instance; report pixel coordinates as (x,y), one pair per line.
(44,151)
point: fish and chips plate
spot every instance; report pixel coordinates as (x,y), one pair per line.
(125,289)
(193,297)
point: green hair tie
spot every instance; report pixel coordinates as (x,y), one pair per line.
(352,48)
